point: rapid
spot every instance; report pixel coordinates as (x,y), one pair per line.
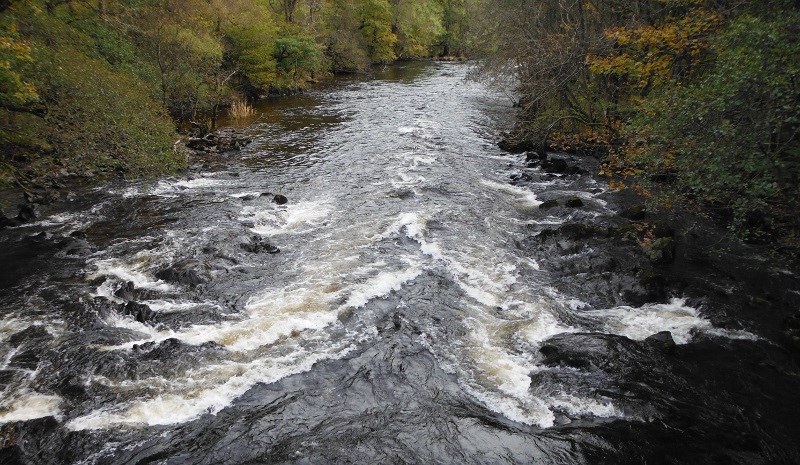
(387,312)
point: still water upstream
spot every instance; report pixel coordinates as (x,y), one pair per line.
(400,321)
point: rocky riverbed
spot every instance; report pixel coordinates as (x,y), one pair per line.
(370,279)
(623,254)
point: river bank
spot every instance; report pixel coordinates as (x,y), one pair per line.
(609,252)
(414,295)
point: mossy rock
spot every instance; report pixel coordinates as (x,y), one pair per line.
(662,250)
(635,213)
(662,229)
(548,204)
(581,230)
(574,202)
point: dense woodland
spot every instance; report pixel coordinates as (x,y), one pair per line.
(100,85)
(696,103)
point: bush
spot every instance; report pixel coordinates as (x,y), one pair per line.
(730,138)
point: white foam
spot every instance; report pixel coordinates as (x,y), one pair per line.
(581,406)
(239,195)
(639,323)
(420,159)
(381,285)
(29,406)
(126,272)
(169,306)
(11,325)
(530,411)
(542,327)
(295,218)
(484,284)
(503,383)
(164,409)
(524,197)
(269,317)
(172,188)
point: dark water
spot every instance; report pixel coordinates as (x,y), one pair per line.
(400,322)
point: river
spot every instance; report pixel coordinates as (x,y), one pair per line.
(400,321)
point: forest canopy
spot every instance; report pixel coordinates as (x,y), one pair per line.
(693,102)
(696,103)
(100,85)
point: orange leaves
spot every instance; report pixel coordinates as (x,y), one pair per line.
(654,54)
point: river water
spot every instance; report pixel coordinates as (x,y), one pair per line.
(400,321)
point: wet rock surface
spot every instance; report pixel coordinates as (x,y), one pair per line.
(119,346)
(221,141)
(676,391)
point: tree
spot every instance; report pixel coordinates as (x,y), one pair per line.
(418,25)
(729,138)
(376,28)
(16,94)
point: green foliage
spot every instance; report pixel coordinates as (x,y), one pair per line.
(730,138)
(376,28)
(90,86)
(14,54)
(418,25)
(298,58)
(100,120)
(93,117)
(345,47)
(455,25)
(697,102)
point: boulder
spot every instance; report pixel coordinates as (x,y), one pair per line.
(574,202)
(141,312)
(189,272)
(27,213)
(280,199)
(6,222)
(635,213)
(519,178)
(257,244)
(535,156)
(126,292)
(547,204)
(661,341)
(555,165)
(225,140)
(661,250)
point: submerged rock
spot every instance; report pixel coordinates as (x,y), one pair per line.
(547,204)
(74,246)
(189,272)
(574,202)
(280,199)
(258,244)
(32,333)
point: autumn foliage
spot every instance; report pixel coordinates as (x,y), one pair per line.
(693,102)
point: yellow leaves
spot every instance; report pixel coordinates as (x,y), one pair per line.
(614,184)
(650,55)
(13,52)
